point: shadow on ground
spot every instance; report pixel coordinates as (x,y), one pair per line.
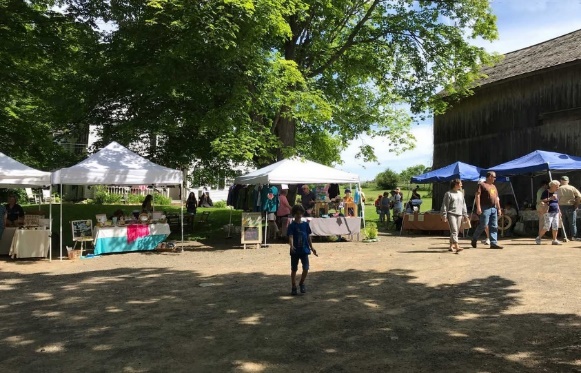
(153,320)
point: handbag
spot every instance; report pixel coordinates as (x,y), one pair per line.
(542,208)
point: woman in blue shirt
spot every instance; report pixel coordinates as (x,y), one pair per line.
(553,215)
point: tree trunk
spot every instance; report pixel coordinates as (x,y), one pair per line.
(285,131)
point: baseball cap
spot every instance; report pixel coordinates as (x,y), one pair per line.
(564,178)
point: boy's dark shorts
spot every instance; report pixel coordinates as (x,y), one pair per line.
(295,262)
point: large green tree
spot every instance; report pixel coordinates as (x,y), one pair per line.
(45,59)
(241,80)
(234,81)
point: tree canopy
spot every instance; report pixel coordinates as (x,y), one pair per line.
(235,81)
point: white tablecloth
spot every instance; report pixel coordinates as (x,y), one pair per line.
(340,226)
(6,240)
(110,232)
(28,243)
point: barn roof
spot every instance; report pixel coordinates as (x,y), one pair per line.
(550,53)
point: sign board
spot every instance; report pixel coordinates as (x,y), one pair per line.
(81,229)
(251,228)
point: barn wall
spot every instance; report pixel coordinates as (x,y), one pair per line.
(503,121)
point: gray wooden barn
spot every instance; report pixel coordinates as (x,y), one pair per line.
(531,100)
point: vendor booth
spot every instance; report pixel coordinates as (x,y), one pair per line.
(470,175)
(536,163)
(300,171)
(28,241)
(117,165)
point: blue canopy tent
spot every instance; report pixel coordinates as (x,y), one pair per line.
(535,163)
(456,170)
(468,173)
(539,161)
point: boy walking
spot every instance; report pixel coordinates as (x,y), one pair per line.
(301,245)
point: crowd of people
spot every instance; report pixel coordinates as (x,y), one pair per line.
(390,207)
(556,204)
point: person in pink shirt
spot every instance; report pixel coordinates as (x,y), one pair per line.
(284,208)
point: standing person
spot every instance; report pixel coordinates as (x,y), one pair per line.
(14,212)
(384,205)
(569,198)
(147,205)
(453,211)
(308,199)
(488,210)
(301,245)
(192,203)
(378,208)
(551,217)
(284,208)
(397,201)
(539,207)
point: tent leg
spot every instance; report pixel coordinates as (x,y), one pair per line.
(533,197)
(265,228)
(61,224)
(514,196)
(182,209)
(50,224)
(362,205)
(550,176)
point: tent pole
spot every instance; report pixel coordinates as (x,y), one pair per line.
(514,196)
(265,220)
(182,209)
(50,225)
(362,204)
(550,176)
(61,224)
(533,197)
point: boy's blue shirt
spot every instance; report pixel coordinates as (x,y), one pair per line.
(300,233)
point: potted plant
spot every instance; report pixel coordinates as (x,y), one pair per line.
(370,232)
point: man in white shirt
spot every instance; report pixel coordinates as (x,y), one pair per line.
(569,198)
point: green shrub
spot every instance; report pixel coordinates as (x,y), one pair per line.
(220,204)
(135,199)
(102,197)
(370,230)
(161,200)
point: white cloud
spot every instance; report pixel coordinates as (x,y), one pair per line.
(421,154)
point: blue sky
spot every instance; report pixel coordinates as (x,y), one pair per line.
(520,23)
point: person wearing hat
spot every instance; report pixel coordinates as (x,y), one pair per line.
(569,198)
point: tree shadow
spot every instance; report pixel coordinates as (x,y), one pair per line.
(157,319)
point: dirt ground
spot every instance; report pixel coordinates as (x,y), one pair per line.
(404,304)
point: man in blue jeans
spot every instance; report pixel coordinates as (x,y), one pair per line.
(488,210)
(569,198)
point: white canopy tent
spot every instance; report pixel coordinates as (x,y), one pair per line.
(298,171)
(116,165)
(14,174)
(295,171)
